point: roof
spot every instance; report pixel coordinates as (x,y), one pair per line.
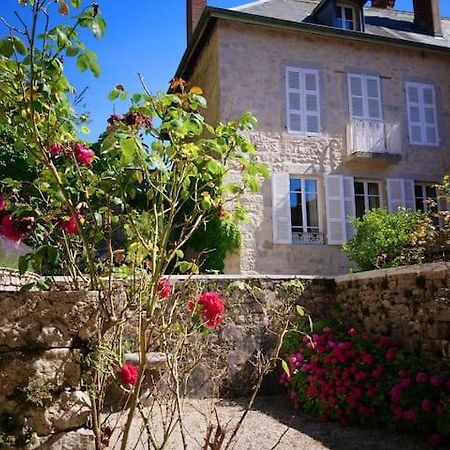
(378,21)
(381,26)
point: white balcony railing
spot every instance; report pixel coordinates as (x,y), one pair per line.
(373,136)
(299,237)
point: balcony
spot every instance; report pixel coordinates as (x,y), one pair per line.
(373,140)
(302,238)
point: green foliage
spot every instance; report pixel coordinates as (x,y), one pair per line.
(38,392)
(214,241)
(13,160)
(386,239)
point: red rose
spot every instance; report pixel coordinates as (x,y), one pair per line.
(83,155)
(164,288)
(129,374)
(11,229)
(55,149)
(211,308)
(69,225)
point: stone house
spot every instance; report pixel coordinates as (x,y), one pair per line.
(353,111)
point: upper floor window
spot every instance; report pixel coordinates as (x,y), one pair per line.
(364,96)
(346,18)
(422,119)
(302,100)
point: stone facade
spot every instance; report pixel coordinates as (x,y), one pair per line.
(251,77)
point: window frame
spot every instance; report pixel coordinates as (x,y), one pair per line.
(421,105)
(366,193)
(305,226)
(302,93)
(342,7)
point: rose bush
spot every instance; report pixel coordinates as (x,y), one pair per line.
(356,378)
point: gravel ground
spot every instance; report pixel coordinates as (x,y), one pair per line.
(272,425)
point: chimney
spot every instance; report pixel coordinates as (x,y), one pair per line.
(384,4)
(194,9)
(427,17)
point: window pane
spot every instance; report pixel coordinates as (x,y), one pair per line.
(349,25)
(359,188)
(418,190)
(339,23)
(312,215)
(296,210)
(431,192)
(359,206)
(339,12)
(373,188)
(311,186)
(295,185)
(374,202)
(349,14)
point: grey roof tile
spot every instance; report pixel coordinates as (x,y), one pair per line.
(379,22)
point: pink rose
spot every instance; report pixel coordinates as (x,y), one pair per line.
(83,155)
(211,308)
(352,332)
(390,354)
(15,229)
(410,415)
(436,440)
(55,149)
(436,380)
(129,374)
(164,288)
(69,225)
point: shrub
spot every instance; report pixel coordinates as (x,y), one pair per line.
(355,378)
(386,239)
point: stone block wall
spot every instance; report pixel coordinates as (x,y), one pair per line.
(43,337)
(410,304)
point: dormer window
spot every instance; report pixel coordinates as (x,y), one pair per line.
(346,17)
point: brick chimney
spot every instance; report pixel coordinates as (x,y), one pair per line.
(385,4)
(194,9)
(427,17)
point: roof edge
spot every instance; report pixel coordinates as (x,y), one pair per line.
(212,14)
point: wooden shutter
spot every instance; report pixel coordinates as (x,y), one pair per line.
(373,97)
(356,95)
(311,101)
(294,99)
(364,96)
(281,209)
(349,205)
(410,195)
(429,115)
(335,200)
(395,193)
(302,100)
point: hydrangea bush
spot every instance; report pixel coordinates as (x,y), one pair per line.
(357,378)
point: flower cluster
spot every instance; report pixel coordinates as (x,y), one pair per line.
(210,306)
(129,374)
(164,288)
(82,154)
(356,378)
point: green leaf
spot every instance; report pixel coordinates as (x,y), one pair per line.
(179,253)
(6,47)
(113,94)
(128,147)
(19,46)
(285,367)
(72,51)
(300,310)
(24,262)
(76,3)
(85,130)
(82,62)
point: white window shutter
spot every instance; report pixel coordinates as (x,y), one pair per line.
(356,95)
(349,206)
(294,99)
(396,194)
(311,101)
(281,209)
(410,195)
(429,113)
(373,90)
(414,115)
(335,200)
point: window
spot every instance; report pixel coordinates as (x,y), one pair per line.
(364,96)
(303,199)
(367,196)
(426,197)
(346,18)
(422,119)
(303,107)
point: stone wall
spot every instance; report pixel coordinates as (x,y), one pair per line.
(43,336)
(410,304)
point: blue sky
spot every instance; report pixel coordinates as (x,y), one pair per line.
(146,36)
